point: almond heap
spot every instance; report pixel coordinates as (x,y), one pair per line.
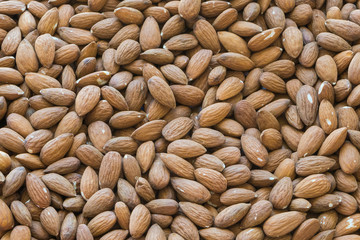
(179,120)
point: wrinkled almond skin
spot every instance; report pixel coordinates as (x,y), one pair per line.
(307,104)
(139,221)
(7,220)
(310,141)
(317,182)
(281,195)
(284,223)
(187,188)
(37,190)
(254,150)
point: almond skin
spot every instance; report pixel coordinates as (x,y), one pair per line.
(280,196)
(258,213)
(187,95)
(184,227)
(179,166)
(108,178)
(189,9)
(254,150)
(292,41)
(37,190)
(306,166)
(7,220)
(206,35)
(348,158)
(49,218)
(198,64)
(177,128)
(36,140)
(307,104)
(197,213)
(139,221)
(333,142)
(310,141)
(317,182)
(344,226)
(161,92)
(211,179)
(191,190)
(59,184)
(127,52)
(236,212)
(261,41)
(180,147)
(13,181)
(102,223)
(104,196)
(353,69)
(213,114)
(86,100)
(327,116)
(285,223)
(56,148)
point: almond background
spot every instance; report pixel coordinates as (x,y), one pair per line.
(189,119)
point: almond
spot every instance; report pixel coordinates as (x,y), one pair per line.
(312,186)
(178,165)
(236,61)
(313,165)
(7,220)
(307,103)
(331,74)
(189,10)
(87,99)
(127,52)
(281,194)
(102,223)
(292,41)
(93,207)
(264,39)
(110,170)
(349,158)
(177,128)
(187,94)
(206,35)
(254,150)
(161,92)
(190,190)
(181,148)
(37,191)
(213,114)
(50,220)
(198,64)
(258,213)
(56,148)
(231,215)
(184,227)
(59,184)
(283,223)
(197,213)
(310,141)
(139,221)
(211,179)
(14,180)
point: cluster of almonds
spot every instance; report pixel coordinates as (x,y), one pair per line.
(188,119)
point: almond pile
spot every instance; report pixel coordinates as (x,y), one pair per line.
(179,120)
